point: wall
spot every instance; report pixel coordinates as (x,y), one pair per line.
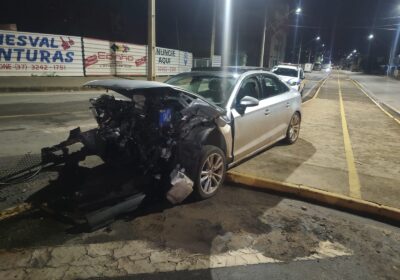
(113,58)
(34,54)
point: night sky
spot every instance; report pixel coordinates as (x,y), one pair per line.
(186,24)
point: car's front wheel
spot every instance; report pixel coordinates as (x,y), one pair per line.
(210,173)
(293,131)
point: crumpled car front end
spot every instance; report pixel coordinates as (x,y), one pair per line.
(156,131)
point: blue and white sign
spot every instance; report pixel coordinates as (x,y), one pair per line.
(185,61)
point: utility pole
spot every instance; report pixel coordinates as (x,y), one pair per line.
(301,43)
(263,40)
(151,41)
(212,47)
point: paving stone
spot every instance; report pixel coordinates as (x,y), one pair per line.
(165,266)
(140,266)
(39,259)
(104,249)
(82,272)
(66,255)
(47,273)
(131,248)
(159,257)
(183,265)
(15,274)
(13,259)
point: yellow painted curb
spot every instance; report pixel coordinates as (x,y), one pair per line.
(13,211)
(325,197)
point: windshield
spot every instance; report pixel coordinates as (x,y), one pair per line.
(285,72)
(213,88)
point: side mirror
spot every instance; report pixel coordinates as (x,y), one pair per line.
(248,101)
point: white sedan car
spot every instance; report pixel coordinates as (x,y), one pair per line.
(292,75)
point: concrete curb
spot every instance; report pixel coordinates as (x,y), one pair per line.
(321,196)
(313,91)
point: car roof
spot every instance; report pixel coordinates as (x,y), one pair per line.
(288,66)
(229,69)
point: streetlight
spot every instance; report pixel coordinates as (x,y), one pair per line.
(323,45)
(318,38)
(354,51)
(296,11)
(371,36)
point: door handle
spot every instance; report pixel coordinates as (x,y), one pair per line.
(287,104)
(267,112)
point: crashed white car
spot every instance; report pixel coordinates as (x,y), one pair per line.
(171,139)
(292,75)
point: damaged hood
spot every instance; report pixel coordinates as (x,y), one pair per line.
(126,88)
(123,85)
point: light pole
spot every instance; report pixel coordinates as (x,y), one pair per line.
(212,47)
(394,46)
(296,11)
(226,40)
(151,41)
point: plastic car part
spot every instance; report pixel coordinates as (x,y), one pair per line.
(182,186)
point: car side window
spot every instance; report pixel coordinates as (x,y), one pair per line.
(272,86)
(249,87)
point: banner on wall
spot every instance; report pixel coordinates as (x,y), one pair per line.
(114,58)
(167,61)
(35,54)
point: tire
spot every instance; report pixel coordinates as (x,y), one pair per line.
(293,131)
(207,185)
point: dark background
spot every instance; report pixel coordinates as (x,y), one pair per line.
(186,24)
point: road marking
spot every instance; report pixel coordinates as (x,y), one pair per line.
(316,94)
(43,114)
(354,181)
(14,211)
(357,84)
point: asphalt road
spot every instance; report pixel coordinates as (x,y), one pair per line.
(238,234)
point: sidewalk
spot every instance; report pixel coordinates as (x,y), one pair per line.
(320,159)
(383,89)
(24,84)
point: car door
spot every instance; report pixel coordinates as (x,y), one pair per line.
(277,100)
(250,125)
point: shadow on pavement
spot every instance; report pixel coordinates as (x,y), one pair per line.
(280,162)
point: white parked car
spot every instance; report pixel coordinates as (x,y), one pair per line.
(292,75)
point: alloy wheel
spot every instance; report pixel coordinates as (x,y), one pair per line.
(212,173)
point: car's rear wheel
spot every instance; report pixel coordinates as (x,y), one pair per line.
(210,173)
(293,131)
